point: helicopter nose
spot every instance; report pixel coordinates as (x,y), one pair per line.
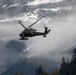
(20,35)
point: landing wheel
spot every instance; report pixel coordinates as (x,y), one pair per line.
(44,35)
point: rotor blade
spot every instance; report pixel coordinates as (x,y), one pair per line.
(35,22)
(22,24)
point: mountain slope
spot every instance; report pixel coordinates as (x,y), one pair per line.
(29,66)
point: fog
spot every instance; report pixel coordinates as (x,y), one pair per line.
(61,38)
(57,44)
(59,17)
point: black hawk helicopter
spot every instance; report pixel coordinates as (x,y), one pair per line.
(30,32)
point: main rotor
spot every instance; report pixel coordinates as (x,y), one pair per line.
(31,24)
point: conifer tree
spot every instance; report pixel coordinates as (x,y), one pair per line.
(22,73)
(15,73)
(63,68)
(73,63)
(39,70)
(56,72)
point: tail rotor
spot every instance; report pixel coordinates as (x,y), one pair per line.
(47,30)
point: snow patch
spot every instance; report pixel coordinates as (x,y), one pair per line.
(37,2)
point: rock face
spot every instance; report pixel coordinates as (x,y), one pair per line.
(49,9)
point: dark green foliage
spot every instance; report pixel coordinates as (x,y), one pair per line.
(39,70)
(63,67)
(16,73)
(55,72)
(21,74)
(68,68)
(73,63)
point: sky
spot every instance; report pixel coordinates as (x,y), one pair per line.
(59,17)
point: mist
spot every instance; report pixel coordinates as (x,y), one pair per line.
(57,44)
(61,38)
(59,17)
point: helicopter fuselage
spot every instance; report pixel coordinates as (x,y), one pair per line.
(30,33)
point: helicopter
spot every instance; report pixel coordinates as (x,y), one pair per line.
(30,32)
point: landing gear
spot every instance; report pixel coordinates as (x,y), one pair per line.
(23,39)
(44,35)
